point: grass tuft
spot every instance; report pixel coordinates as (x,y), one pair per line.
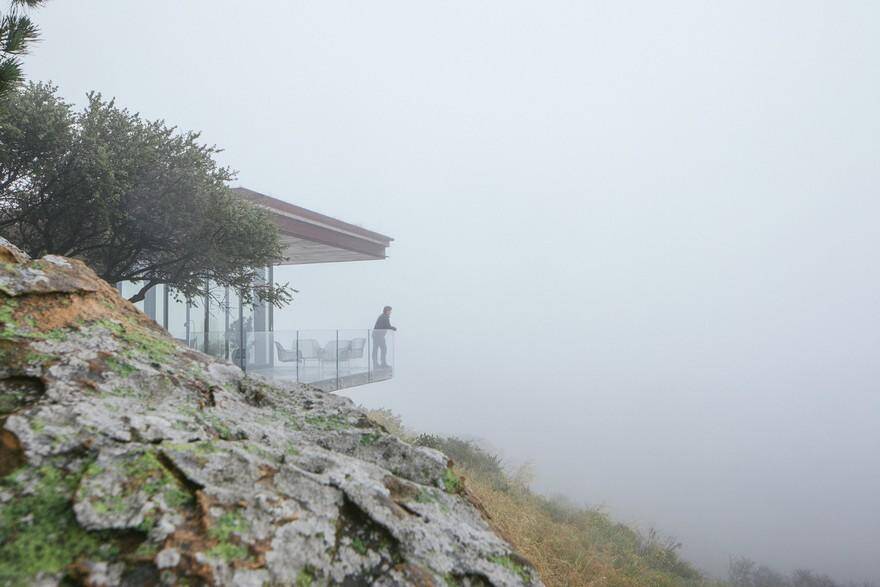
(452,482)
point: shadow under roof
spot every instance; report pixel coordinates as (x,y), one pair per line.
(311,237)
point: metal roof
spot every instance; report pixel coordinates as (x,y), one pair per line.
(312,237)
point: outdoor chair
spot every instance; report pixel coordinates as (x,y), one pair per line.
(332,349)
(355,349)
(284,355)
(236,355)
(309,349)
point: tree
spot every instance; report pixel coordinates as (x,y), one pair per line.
(135,199)
(741,572)
(17,32)
(805,578)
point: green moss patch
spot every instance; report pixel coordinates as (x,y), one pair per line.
(202,447)
(140,341)
(226,525)
(228,552)
(225,530)
(452,482)
(426,496)
(145,474)
(17,327)
(38,529)
(305,578)
(511,565)
(219,427)
(121,368)
(327,422)
(369,438)
(200,451)
(358,545)
(7,318)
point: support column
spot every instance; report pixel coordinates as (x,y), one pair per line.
(271,307)
(150,304)
(188,325)
(226,322)
(165,307)
(242,351)
(262,356)
(207,327)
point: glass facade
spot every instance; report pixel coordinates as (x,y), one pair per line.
(219,324)
(215,323)
(154,304)
(174,319)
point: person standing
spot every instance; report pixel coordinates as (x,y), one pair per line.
(383,325)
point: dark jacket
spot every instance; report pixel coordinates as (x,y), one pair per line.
(383,323)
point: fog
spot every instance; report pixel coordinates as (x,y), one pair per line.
(636,242)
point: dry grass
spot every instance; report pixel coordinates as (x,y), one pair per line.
(554,548)
(569,546)
(576,548)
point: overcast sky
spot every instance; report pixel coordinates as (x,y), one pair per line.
(636,242)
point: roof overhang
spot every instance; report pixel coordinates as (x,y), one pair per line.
(311,237)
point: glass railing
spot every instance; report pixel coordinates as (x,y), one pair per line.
(327,359)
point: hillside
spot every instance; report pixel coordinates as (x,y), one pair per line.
(570,546)
(127,459)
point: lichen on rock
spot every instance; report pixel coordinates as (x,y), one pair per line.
(126,458)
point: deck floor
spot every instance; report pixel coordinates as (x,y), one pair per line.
(325,379)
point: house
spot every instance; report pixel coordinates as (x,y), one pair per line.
(220,325)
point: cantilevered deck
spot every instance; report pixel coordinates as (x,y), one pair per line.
(327,359)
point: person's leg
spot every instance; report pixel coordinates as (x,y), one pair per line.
(384,352)
(375,352)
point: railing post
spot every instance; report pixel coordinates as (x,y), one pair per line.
(187,324)
(206,337)
(166,297)
(297,356)
(337,360)
(226,323)
(369,357)
(242,352)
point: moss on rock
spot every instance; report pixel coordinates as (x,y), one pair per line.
(134,460)
(38,529)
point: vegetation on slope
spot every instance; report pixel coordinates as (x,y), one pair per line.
(569,545)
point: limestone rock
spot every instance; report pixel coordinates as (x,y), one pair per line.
(127,459)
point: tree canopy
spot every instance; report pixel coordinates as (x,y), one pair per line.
(17,32)
(137,200)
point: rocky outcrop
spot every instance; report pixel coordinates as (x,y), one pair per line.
(126,459)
